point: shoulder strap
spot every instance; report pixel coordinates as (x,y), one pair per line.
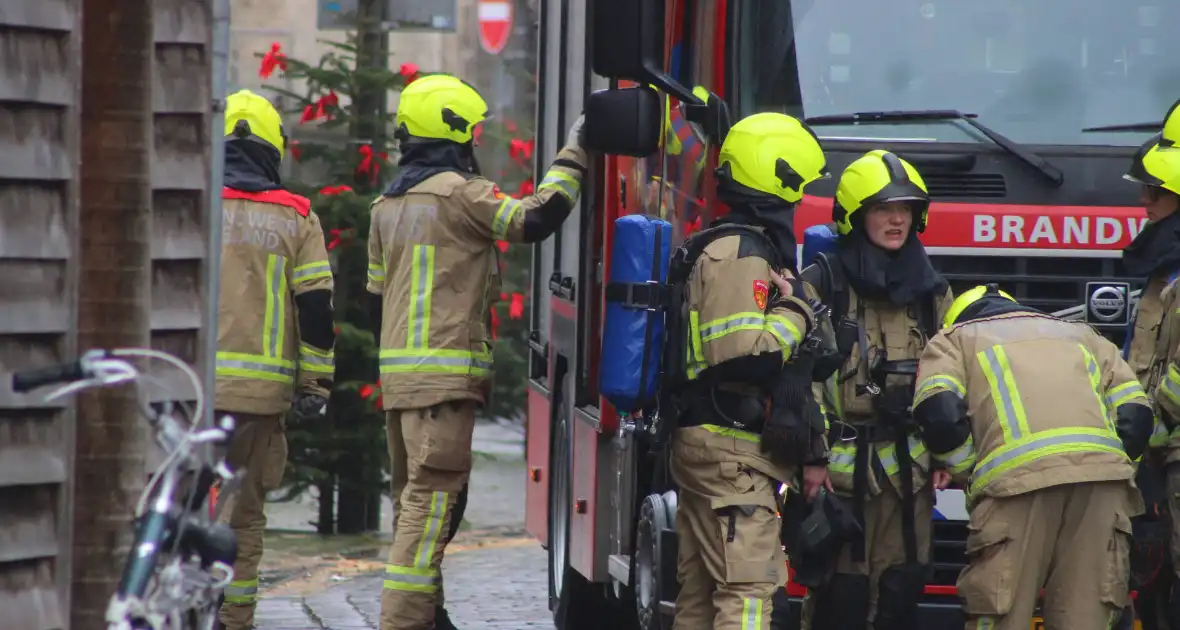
(827,276)
(685,256)
(928,315)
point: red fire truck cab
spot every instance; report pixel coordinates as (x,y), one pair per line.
(999,103)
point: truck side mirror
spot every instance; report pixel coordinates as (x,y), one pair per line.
(712,116)
(628,38)
(623,121)
(628,44)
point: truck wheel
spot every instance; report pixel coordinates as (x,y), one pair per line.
(577,603)
(650,561)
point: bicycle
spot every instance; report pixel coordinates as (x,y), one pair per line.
(181,559)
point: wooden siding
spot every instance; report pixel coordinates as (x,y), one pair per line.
(181,98)
(39,95)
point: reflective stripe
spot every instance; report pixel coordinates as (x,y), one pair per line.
(1005,396)
(751,613)
(424,557)
(1159,434)
(312,359)
(421,290)
(695,358)
(889,459)
(311,271)
(440,361)
(1124,393)
(399,578)
(1051,442)
(276,306)
(961,459)
(938,383)
(562,183)
(242,591)
(737,434)
(255,366)
(842,458)
(1171,384)
(739,321)
(504,216)
(376,273)
(1096,386)
(785,331)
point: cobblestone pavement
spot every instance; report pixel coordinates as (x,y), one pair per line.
(495,574)
(500,586)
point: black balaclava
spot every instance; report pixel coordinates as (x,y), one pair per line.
(990,306)
(1156,249)
(251,166)
(422,159)
(901,277)
(750,207)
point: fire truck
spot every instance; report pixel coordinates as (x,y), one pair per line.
(1022,118)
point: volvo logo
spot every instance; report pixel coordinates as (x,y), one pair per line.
(1107,303)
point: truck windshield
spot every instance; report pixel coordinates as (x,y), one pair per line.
(1039,72)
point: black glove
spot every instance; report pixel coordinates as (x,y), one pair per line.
(795,419)
(309,406)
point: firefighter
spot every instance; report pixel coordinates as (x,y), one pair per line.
(1052,418)
(747,316)
(275,334)
(887,302)
(433,275)
(1152,350)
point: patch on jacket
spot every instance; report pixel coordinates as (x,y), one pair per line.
(761,293)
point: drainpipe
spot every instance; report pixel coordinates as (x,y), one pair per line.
(220,70)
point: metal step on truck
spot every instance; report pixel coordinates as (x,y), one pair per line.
(1002,106)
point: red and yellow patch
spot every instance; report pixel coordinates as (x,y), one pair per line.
(761,293)
(496,192)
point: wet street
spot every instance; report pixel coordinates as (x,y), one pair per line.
(495,575)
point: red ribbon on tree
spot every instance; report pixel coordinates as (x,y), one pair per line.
(516,309)
(503,245)
(526,188)
(271,60)
(409,72)
(320,108)
(371,393)
(335,190)
(477,132)
(692,227)
(295,149)
(521,151)
(368,165)
(339,237)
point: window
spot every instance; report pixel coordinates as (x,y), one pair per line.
(1037,71)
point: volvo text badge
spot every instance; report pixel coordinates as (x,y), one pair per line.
(1108,303)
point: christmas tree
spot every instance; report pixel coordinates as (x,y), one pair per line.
(342,171)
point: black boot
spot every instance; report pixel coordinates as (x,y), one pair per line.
(442,621)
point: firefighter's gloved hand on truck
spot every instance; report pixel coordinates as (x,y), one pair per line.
(576,135)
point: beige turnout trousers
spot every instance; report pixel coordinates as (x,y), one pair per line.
(730,560)
(435,446)
(260,444)
(1074,540)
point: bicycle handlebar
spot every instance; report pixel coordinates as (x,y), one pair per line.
(62,373)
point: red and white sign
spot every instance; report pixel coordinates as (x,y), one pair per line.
(495,25)
(989,229)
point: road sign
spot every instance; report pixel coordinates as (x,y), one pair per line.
(495,25)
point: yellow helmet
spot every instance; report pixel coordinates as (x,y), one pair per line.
(970,297)
(1155,164)
(442,107)
(879,177)
(252,117)
(772,153)
(1171,133)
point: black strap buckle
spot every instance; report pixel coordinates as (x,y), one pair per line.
(646,296)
